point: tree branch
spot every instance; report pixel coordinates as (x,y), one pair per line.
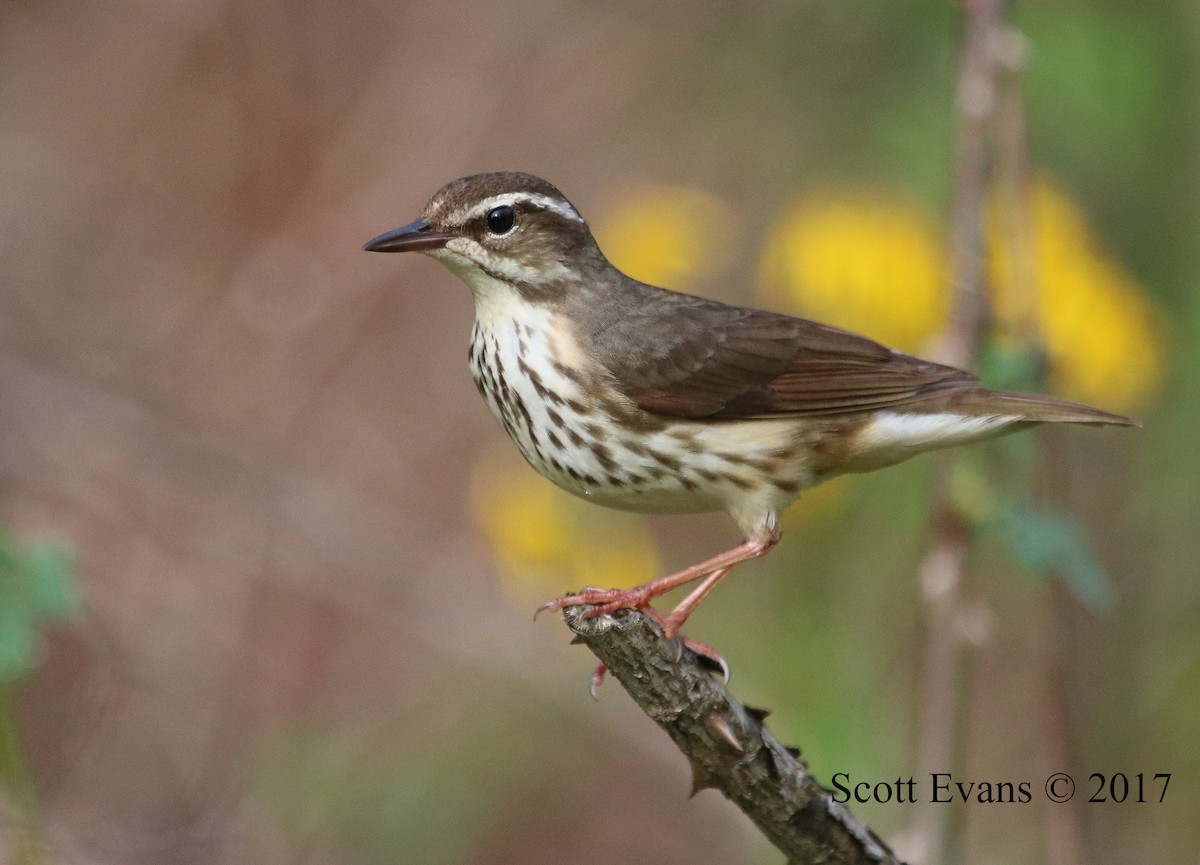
(726,743)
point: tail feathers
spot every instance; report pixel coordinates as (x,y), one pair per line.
(1041,409)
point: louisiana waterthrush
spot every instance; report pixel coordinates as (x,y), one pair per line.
(648,400)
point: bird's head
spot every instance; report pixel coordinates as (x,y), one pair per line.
(509,227)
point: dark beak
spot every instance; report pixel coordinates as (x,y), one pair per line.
(415,237)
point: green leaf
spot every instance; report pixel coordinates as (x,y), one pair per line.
(36,587)
(16,645)
(1012,366)
(1049,543)
(49,588)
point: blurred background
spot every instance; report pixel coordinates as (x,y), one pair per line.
(269,564)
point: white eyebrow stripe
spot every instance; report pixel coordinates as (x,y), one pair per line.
(513,198)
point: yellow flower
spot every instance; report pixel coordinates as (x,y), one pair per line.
(1097,327)
(547,542)
(668,236)
(872,263)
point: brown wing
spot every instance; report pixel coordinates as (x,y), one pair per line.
(687,357)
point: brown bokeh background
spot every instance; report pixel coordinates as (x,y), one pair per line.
(259,440)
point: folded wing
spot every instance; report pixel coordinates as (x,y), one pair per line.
(686,357)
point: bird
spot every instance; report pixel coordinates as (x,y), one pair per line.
(649,400)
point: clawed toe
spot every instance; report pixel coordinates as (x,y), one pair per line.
(588,595)
(708,658)
(597,680)
(599,601)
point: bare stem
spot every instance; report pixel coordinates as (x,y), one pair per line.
(988,61)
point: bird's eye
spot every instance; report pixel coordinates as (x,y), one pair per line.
(501,220)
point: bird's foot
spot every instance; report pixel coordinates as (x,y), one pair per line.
(708,657)
(601,601)
(597,680)
(598,601)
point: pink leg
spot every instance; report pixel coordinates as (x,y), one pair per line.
(673,621)
(713,570)
(608,600)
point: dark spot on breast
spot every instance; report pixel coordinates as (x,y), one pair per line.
(555,441)
(533,436)
(506,394)
(534,378)
(555,417)
(603,455)
(576,438)
(786,485)
(634,446)
(833,447)
(613,480)
(664,459)
(489,373)
(569,373)
(739,482)
(683,436)
(687,483)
